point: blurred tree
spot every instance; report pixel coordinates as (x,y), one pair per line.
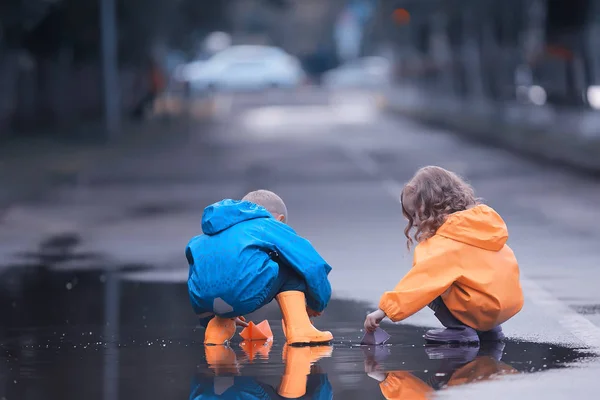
(194,20)
(278,3)
(564,16)
(17,17)
(45,27)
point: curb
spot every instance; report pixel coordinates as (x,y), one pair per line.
(49,164)
(571,138)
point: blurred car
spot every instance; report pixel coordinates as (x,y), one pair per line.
(364,72)
(244,67)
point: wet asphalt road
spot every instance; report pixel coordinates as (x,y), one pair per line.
(93,299)
(76,343)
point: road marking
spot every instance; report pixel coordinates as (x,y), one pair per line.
(269,120)
(369,166)
(178,275)
(223,104)
(581,327)
(576,324)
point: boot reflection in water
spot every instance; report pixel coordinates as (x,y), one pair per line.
(222,360)
(461,365)
(257,348)
(298,362)
(452,358)
(465,364)
(486,366)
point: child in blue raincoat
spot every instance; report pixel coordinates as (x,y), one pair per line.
(247,257)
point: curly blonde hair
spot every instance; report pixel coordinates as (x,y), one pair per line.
(429,197)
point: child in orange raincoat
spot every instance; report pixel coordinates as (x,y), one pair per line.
(462,268)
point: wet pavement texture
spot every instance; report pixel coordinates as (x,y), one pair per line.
(92,272)
(98,334)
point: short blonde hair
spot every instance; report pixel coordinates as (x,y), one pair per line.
(435,193)
(269,200)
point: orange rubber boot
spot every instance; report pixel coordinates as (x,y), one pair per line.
(297,326)
(222,360)
(284,329)
(298,361)
(219,330)
(316,352)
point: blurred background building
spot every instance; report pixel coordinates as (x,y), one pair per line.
(51,51)
(321,101)
(529,51)
(496,50)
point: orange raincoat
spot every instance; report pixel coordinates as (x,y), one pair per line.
(468,263)
(404,385)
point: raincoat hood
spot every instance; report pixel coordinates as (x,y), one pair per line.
(235,263)
(479,226)
(469,266)
(226,213)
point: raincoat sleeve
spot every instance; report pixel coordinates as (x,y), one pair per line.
(434,271)
(404,385)
(304,259)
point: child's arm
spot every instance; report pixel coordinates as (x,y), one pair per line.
(302,256)
(431,275)
(403,384)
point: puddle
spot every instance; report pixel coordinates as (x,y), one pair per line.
(58,249)
(74,334)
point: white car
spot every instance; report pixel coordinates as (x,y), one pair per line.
(365,72)
(247,67)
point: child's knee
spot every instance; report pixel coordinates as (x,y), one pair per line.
(295,283)
(291,280)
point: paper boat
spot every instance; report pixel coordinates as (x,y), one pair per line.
(257,348)
(376,354)
(376,338)
(261,331)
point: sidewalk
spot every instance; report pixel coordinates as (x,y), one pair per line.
(565,136)
(32,166)
(114,201)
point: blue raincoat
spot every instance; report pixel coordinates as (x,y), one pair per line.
(318,387)
(235,262)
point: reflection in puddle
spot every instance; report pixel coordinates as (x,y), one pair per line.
(299,366)
(91,335)
(459,366)
(301,377)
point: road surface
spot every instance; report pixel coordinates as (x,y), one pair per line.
(339,162)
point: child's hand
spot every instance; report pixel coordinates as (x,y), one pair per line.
(241,321)
(312,313)
(372,321)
